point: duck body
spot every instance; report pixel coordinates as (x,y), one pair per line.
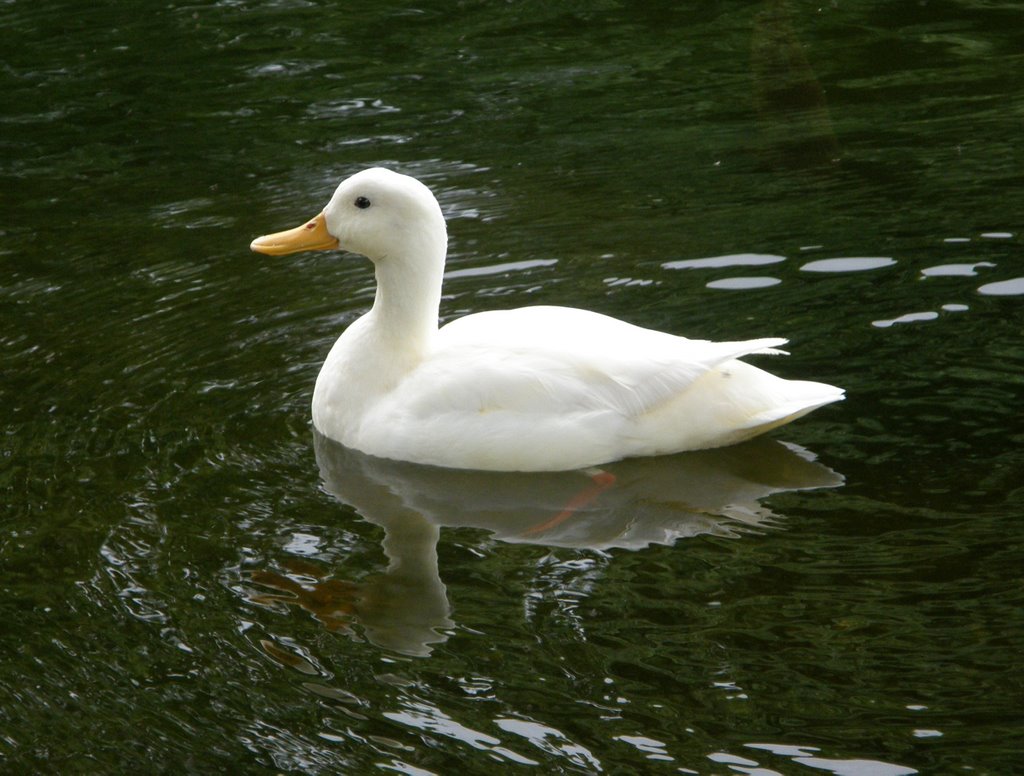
(533,389)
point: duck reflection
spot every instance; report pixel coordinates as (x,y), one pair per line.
(627,505)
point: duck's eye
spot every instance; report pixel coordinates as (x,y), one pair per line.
(362,203)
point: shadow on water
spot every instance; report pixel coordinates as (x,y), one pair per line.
(625,505)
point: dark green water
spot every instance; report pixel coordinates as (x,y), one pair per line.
(190,583)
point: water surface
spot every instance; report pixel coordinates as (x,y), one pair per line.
(192,582)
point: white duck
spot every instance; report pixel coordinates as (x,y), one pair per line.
(533,389)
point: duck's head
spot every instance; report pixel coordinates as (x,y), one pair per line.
(376,212)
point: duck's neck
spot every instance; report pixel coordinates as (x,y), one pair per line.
(405,308)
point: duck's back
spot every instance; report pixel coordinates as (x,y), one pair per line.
(549,388)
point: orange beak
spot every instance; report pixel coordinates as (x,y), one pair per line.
(311,236)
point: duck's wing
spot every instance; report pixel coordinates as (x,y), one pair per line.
(562,360)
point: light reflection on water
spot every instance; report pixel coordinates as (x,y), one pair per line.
(716,262)
(1012,287)
(744,283)
(847,264)
(955,270)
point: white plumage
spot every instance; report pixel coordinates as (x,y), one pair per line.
(533,389)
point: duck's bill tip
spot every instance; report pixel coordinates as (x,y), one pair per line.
(311,236)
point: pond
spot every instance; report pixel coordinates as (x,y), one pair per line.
(194,582)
